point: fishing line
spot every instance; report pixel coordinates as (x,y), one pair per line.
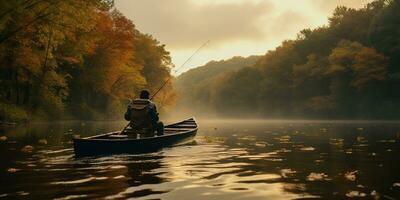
(180,67)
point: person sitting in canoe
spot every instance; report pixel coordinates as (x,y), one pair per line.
(143,116)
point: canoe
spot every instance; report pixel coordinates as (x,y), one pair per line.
(117,143)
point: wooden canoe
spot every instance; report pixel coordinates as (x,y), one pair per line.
(116,143)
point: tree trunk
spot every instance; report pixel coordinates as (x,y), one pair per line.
(27,93)
(16,89)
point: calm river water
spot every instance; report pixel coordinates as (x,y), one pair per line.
(228,160)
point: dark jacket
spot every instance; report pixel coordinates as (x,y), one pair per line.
(142,113)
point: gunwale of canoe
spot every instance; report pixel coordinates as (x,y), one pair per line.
(103,144)
(180,130)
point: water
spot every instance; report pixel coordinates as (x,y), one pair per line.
(228,160)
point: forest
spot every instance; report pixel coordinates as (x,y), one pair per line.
(347,69)
(75,59)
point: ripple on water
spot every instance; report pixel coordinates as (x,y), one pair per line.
(79,181)
(119,177)
(72,197)
(214,168)
(56,151)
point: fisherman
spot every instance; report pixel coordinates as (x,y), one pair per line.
(143,116)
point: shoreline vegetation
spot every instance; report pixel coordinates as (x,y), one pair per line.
(74,59)
(349,68)
(84,60)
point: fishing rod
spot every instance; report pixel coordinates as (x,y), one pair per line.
(165,83)
(176,70)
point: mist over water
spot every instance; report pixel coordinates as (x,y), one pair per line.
(230,159)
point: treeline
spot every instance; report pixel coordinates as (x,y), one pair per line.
(196,87)
(74,59)
(349,68)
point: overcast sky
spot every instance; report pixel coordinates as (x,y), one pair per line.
(234,27)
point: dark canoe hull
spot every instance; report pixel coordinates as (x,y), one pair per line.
(104,144)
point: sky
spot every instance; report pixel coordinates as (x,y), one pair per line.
(233,27)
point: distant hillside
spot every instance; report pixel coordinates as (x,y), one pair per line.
(349,68)
(194,87)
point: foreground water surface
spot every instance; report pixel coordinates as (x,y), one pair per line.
(228,160)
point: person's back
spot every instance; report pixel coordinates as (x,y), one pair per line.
(143,116)
(139,114)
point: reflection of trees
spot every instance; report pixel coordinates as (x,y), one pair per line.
(358,142)
(142,171)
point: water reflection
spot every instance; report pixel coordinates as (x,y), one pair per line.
(229,160)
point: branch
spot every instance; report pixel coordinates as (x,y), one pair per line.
(12,33)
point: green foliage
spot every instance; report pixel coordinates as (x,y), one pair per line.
(196,87)
(346,69)
(12,113)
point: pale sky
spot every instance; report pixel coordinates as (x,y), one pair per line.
(234,27)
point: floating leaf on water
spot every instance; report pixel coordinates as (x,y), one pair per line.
(247,137)
(209,139)
(361,139)
(386,141)
(284,150)
(267,131)
(3,138)
(22,193)
(360,129)
(42,141)
(260,144)
(77,136)
(27,149)
(351,176)
(373,154)
(355,193)
(396,184)
(349,151)
(323,129)
(117,167)
(375,195)
(307,149)
(287,172)
(336,141)
(12,170)
(283,139)
(317,176)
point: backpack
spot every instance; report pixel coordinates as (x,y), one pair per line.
(140,115)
